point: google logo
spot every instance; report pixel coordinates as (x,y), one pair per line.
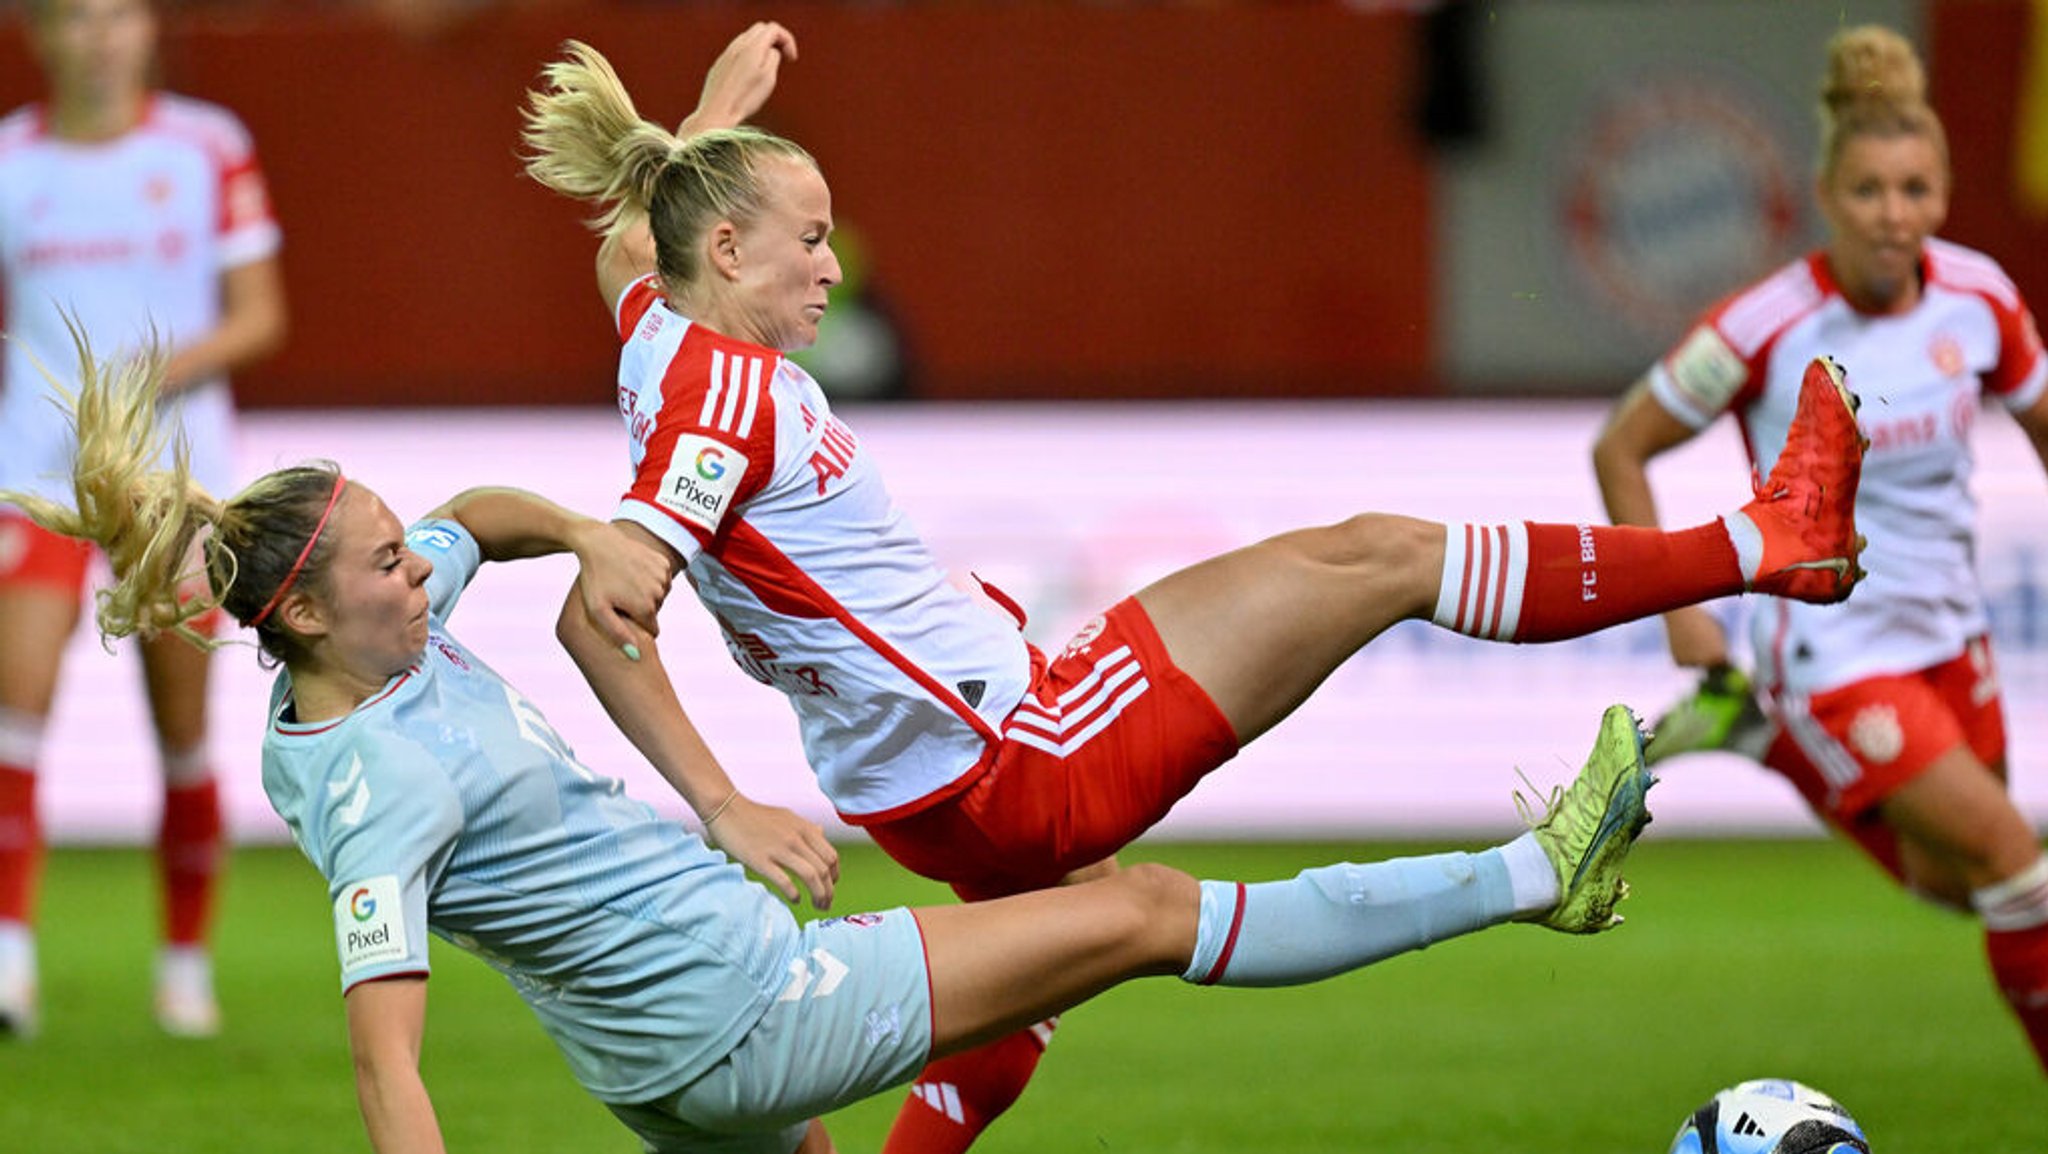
(710,464)
(361,905)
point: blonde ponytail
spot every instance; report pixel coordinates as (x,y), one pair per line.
(1873,85)
(145,518)
(586,140)
(150,520)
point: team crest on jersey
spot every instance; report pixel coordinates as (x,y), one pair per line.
(369,922)
(1875,734)
(702,477)
(1947,354)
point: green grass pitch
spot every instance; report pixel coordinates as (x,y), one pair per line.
(1740,959)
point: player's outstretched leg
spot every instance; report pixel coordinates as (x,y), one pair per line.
(1589,826)
(1565,873)
(1798,538)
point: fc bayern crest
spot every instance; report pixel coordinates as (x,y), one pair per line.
(1678,193)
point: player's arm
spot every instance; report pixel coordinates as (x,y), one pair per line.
(623,580)
(252,326)
(739,83)
(1637,430)
(386,1020)
(776,843)
(741,79)
(2033,421)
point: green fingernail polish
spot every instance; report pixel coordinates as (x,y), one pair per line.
(632,651)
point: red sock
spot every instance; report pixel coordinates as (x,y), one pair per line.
(188,852)
(1536,582)
(21,845)
(2019,964)
(955,1098)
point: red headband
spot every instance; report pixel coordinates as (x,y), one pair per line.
(284,587)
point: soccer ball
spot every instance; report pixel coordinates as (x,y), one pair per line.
(1770,1116)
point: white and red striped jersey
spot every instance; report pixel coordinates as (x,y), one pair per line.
(1922,376)
(129,236)
(900,679)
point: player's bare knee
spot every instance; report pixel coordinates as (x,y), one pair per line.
(1164,904)
(1999,851)
(1389,560)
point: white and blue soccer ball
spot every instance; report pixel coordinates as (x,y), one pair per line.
(1770,1116)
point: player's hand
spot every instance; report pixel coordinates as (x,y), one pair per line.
(779,846)
(1696,637)
(742,78)
(623,583)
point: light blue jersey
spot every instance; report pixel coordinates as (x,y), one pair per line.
(447,805)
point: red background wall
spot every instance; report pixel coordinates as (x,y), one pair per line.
(1057,201)
(1978,54)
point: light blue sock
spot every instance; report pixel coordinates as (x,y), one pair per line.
(1337,918)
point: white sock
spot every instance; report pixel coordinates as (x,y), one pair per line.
(1340,917)
(1485,569)
(21,739)
(2020,902)
(18,951)
(1530,873)
(1749,544)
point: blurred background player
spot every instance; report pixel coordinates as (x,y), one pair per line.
(1887,706)
(140,211)
(967,754)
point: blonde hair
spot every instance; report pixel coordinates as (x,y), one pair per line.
(1874,85)
(149,519)
(586,141)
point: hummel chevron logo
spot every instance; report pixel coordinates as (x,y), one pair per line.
(350,812)
(941,1096)
(807,980)
(355,770)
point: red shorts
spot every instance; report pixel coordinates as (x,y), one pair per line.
(1850,748)
(32,555)
(1109,737)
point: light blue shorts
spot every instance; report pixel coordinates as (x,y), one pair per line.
(854,1020)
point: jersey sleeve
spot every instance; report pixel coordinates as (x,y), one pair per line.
(1702,377)
(456,557)
(248,227)
(633,303)
(2021,374)
(390,827)
(712,445)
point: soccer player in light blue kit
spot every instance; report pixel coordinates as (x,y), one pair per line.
(435,799)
